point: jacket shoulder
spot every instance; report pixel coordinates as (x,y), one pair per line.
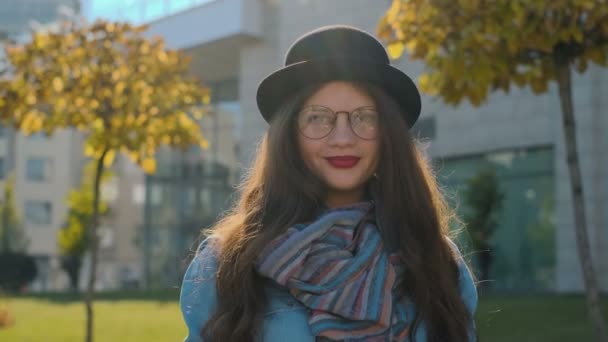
(198,292)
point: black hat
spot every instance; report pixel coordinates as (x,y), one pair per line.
(337,53)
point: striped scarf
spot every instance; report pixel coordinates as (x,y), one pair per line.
(338,268)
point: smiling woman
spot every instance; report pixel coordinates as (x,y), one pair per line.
(341,230)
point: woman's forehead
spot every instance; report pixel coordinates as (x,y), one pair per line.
(340,95)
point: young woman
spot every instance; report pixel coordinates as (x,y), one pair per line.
(340,232)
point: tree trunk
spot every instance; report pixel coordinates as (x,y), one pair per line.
(10,168)
(578,200)
(93,247)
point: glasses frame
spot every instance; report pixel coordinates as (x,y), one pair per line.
(335,113)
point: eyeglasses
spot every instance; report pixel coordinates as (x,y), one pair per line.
(317,122)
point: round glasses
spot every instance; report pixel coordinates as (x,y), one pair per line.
(317,122)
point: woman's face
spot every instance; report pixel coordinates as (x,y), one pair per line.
(338,140)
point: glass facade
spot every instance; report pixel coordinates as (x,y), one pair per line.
(16,15)
(523,244)
(189,191)
(138,11)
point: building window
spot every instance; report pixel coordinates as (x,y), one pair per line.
(106,237)
(39,169)
(523,244)
(38,136)
(109,191)
(38,212)
(139,194)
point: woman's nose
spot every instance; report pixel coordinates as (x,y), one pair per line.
(342,133)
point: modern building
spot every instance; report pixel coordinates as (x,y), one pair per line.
(519,135)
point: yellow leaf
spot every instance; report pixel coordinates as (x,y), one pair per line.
(425,82)
(197,113)
(162,57)
(145,48)
(148,165)
(395,50)
(98,124)
(538,85)
(30,99)
(60,104)
(597,55)
(89,151)
(109,159)
(57,84)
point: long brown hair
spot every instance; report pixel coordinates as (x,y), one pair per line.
(279,191)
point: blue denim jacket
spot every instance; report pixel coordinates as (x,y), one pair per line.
(285,318)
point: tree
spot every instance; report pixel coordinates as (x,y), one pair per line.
(17,269)
(125,92)
(484,202)
(12,234)
(473,47)
(72,238)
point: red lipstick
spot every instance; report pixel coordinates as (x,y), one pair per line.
(343,162)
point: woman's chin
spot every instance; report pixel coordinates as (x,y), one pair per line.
(345,187)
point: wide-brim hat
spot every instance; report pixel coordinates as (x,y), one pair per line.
(333,53)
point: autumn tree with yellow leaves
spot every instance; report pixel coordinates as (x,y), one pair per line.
(474,47)
(125,92)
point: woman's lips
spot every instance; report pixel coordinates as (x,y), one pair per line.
(343,162)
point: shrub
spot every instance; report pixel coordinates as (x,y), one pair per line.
(16,271)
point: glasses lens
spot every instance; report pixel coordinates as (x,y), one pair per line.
(316,122)
(364,122)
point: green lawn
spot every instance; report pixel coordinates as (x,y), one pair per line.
(535,319)
(115,321)
(139,318)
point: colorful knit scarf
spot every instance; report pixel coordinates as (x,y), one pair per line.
(338,267)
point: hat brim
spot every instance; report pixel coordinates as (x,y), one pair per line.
(275,88)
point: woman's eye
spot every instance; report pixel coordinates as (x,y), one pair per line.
(318,118)
(365,118)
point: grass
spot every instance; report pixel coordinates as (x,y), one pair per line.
(115,320)
(535,319)
(156,317)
